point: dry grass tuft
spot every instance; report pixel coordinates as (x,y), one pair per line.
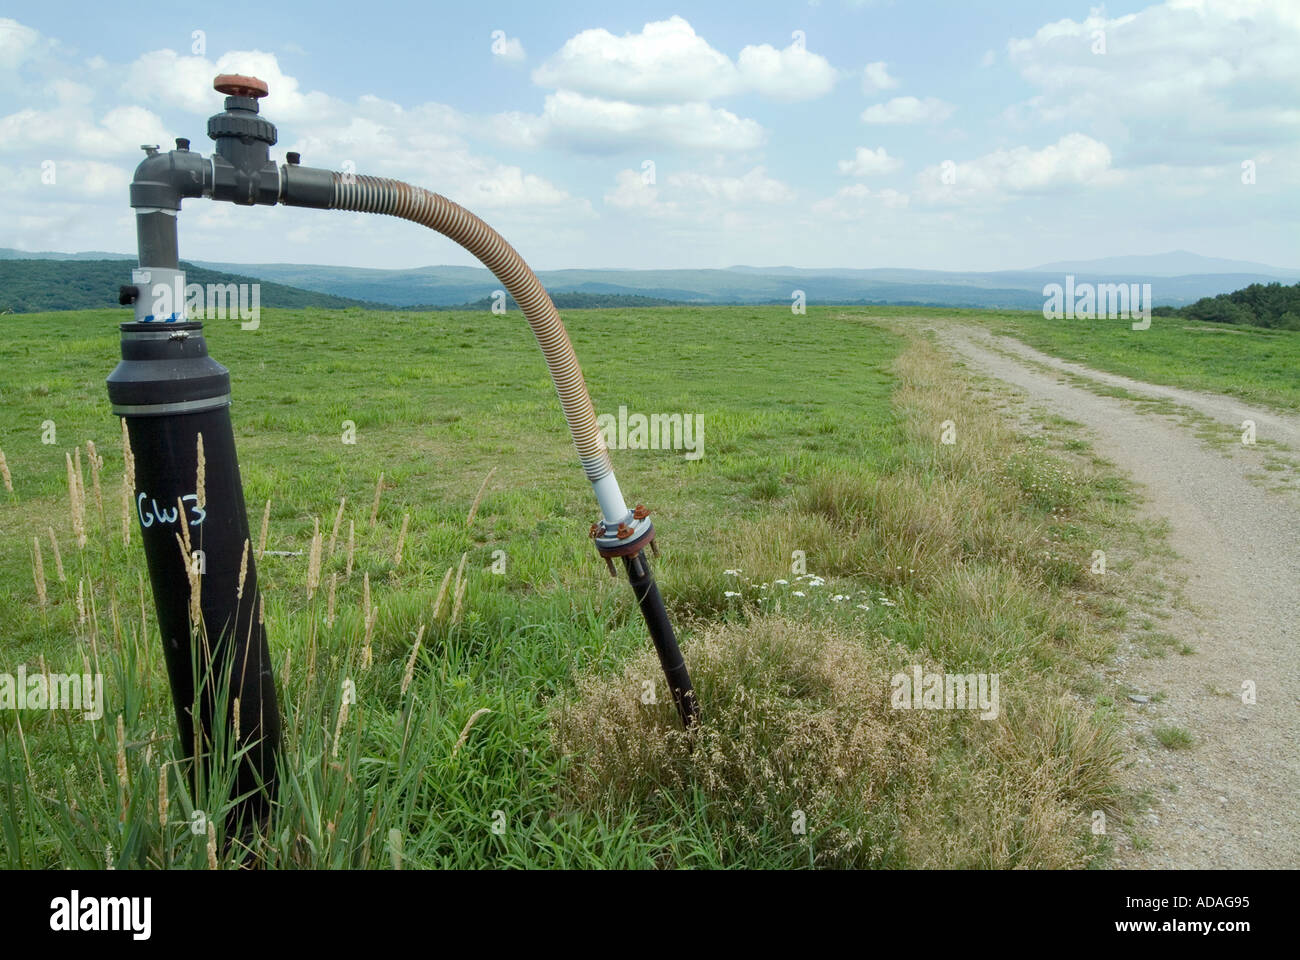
(473,510)
(462,581)
(469,725)
(38,573)
(96,465)
(442,592)
(201,473)
(796,719)
(58,556)
(401,540)
(266,523)
(334,531)
(410,663)
(76,500)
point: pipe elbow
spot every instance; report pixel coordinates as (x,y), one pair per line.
(162,180)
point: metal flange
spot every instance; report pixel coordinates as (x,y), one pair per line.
(626,539)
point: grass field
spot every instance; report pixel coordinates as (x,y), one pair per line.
(1255,364)
(821,436)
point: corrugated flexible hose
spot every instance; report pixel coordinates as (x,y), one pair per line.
(398,199)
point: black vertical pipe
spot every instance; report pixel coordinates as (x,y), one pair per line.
(170,391)
(155,233)
(661,633)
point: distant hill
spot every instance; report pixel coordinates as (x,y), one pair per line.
(9,253)
(1177,279)
(571,301)
(1178,263)
(1010,290)
(29,286)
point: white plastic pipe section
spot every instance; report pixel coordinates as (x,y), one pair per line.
(398,199)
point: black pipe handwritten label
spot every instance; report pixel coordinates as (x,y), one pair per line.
(158,514)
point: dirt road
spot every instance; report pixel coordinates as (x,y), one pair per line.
(1232,799)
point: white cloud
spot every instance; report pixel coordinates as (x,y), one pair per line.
(73,130)
(691,196)
(908,110)
(875,78)
(990,57)
(1075,178)
(754,187)
(84,120)
(653,88)
(19,43)
(90,178)
(633,191)
(500,187)
(867,162)
(167,78)
(56,181)
(422,143)
(71,93)
(790,74)
(668,62)
(1074,161)
(522,131)
(594,124)
(1179,82)
(857,201)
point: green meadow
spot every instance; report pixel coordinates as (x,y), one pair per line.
(826,541)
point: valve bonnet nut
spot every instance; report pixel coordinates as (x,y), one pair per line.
(238,85)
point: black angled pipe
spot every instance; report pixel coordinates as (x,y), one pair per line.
(643,584)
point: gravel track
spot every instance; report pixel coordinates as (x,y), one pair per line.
(1236,802)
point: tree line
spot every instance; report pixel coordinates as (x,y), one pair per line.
(1275,306)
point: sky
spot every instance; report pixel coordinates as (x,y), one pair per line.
(949,136)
